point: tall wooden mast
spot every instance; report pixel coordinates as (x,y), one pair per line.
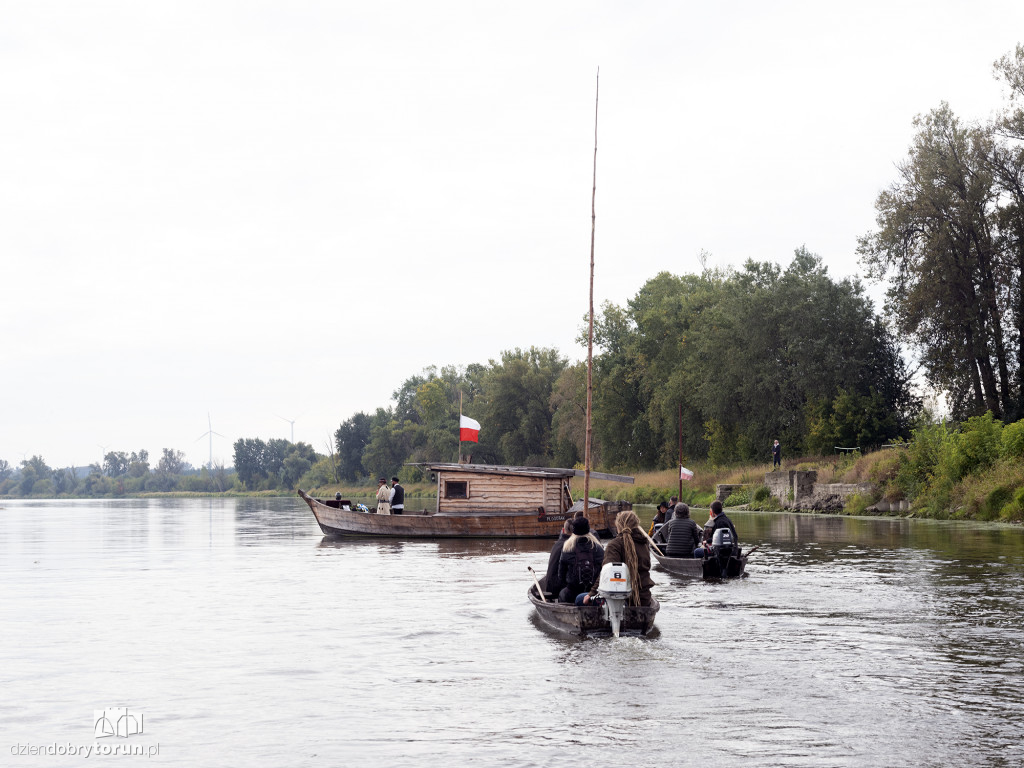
(590,330)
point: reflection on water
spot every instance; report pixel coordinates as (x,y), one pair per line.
(247,638)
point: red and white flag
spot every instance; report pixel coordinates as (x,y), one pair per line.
(469,429)
(684,473)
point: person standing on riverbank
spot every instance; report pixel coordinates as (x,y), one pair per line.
(776,456)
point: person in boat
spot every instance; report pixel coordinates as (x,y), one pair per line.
(397,497)
(718,520)
(632,548)
(553,585)
(659,518)
(383,497)
(580,561)
(680,535)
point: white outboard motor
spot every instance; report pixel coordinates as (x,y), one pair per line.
(615,588)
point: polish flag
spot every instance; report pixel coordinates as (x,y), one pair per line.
(469,430)
(684,473)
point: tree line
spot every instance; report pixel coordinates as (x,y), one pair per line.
(729,359)
(119,473)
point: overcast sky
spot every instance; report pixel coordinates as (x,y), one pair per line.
(275,211)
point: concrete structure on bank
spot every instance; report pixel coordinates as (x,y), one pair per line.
(801,490)
(724,490)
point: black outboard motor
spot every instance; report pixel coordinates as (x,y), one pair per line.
(722,560)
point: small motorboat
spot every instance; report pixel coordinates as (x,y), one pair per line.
(723,561)
(613,618)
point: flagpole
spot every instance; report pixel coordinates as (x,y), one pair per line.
(460,426)
(590,330)
(680,451)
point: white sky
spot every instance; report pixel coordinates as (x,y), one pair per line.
(269,211)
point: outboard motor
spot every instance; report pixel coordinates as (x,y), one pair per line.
(718,563)
(615,588)
(721,539)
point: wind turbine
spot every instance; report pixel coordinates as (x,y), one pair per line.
(292,422)
(209,433)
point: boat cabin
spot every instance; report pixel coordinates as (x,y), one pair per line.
(491,489)
(494,489)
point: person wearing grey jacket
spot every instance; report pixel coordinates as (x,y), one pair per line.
(680,535)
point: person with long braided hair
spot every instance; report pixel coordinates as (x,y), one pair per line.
(629,547)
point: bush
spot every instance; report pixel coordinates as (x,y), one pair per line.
(996,500)
(1013,440)
(977,446)
(919,462)
(886,467)
(737,498)
(857,504)
(761,494)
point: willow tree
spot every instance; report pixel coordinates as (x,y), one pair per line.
(938,240)
(1007,165)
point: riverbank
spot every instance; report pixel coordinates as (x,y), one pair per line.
(974,472)
(944,474)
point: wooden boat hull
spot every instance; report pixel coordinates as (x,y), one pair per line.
(423,524)
(586,620)
(696,568)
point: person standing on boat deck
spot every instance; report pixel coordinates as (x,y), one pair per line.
(660,517)
(580,561)
(718,520)
(397,497)
(383,497)
(680,535)
(552,584)
(632,548)
(776,456)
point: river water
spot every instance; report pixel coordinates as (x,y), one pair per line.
(239,636)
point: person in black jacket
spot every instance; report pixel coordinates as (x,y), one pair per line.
(397,497)
(553,586)
(580,562)
(680,535)
(718,520)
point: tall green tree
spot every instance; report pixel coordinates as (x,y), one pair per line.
(943,237)
(33,471)
(514,404)
(350,440)
(172,462)
(1007,165)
